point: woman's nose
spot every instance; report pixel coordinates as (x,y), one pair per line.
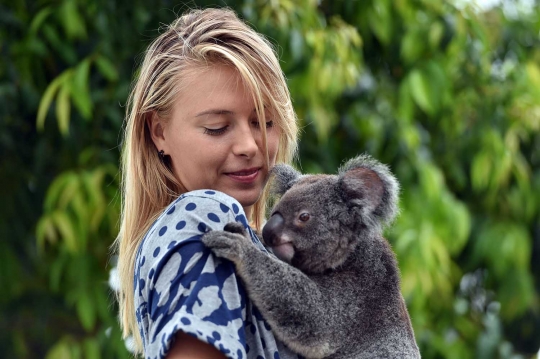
(245,143)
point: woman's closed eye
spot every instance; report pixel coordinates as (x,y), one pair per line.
(269,124)
(222,130)
(215,131)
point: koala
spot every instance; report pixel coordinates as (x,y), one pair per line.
(334,289)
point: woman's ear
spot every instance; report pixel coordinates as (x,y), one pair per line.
(155,127)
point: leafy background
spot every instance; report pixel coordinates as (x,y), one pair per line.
(446,92)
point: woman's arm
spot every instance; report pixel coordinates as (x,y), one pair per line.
(187,347)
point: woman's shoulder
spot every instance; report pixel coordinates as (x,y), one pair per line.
(191,215)
(211,205)
(206,198)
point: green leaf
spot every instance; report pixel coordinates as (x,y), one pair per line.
(58,43)
(80,93)
(380,20)
(323,120)
(106,67)
(82,211)
(481,170)
(55,194)
(40,17)
(63,108)
(47,98)
(504,246)
(91,349)
(436,32)
(45,232)
(462,227)
(72,20)
(94,186)
(437,82)
(296,44)
(412,46)
(65,227)
(55,272)
(405,108)
(71,189)
(502,171)
(533,73)
(86,311)
(431,179)
(61,350)
(421,91)
(517,293)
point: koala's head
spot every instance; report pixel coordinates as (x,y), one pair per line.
(320,218)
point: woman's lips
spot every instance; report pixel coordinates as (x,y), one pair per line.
(244,176)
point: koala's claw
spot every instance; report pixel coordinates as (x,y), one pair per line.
(235,227)
(225,244)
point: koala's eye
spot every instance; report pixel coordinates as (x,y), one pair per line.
(304,217)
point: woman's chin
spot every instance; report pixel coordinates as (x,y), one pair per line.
(246,198)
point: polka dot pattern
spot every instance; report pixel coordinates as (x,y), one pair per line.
(202,227)
(180,225)
(142,283)
(242,219)
(162,230)
(213,217)
(179,285)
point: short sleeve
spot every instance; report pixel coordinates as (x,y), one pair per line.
(181,286)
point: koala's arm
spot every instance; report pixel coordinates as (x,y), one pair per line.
(289,300)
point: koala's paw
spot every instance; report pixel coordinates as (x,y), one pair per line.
(226,244)
(235,227)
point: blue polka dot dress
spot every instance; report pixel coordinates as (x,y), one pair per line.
(181,286)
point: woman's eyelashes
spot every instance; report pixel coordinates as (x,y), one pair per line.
(269,124)
(222,130)
(215,131)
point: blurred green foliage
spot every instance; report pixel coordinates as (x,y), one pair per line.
(446,94)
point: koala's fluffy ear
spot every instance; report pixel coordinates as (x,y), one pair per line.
(284,177)
(370,185)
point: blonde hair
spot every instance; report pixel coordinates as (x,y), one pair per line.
(197,39)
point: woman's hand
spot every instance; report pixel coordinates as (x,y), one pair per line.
(188,347)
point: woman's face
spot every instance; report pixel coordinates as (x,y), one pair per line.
(213,136)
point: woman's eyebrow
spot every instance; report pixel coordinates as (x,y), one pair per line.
(216,112)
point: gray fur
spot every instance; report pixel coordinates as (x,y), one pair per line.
(388,209)
(340,297)
(284,177)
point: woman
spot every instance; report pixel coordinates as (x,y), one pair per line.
(209,115)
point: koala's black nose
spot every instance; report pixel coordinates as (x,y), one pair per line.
(272,229)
